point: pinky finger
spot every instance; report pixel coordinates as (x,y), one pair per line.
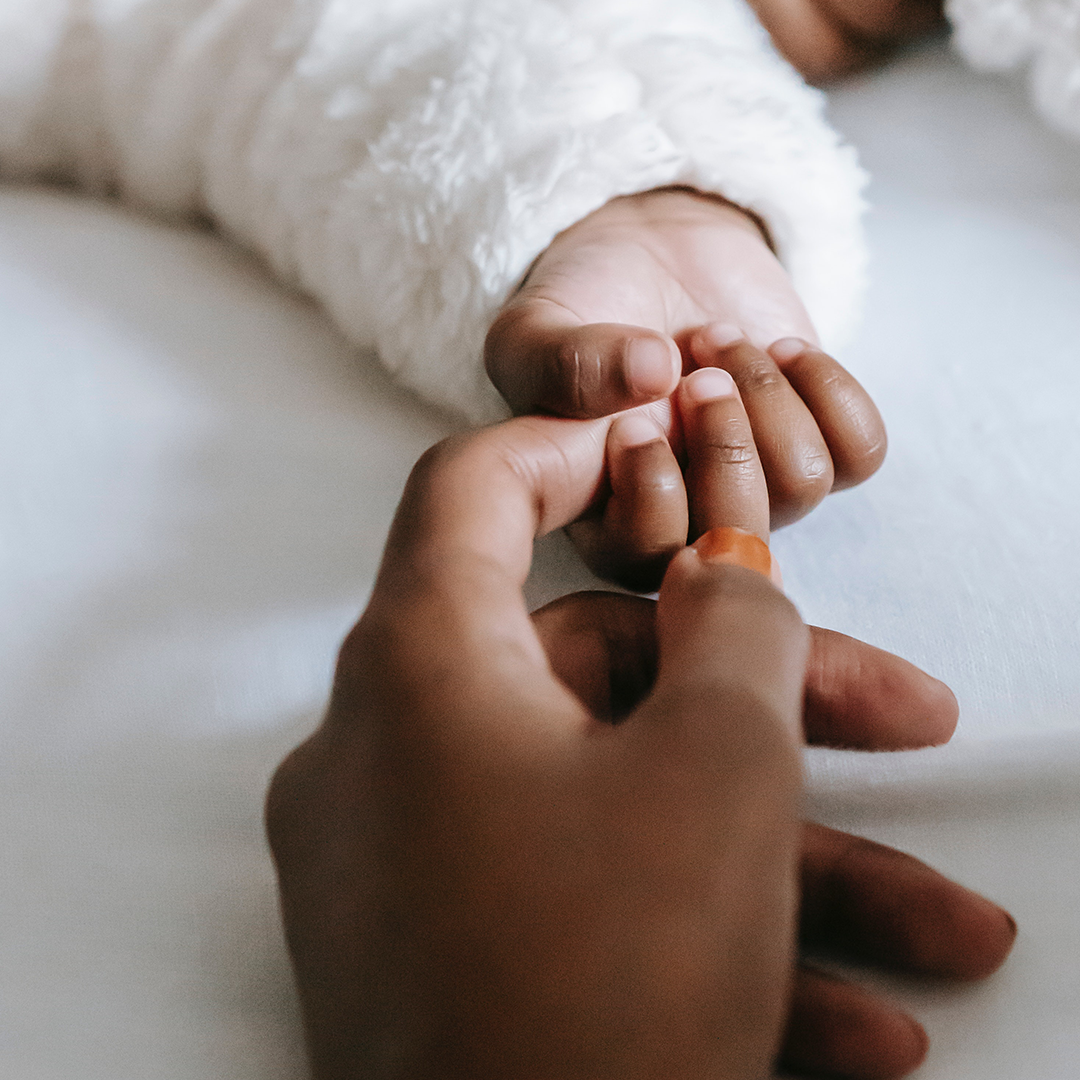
(644,522)
(845,413)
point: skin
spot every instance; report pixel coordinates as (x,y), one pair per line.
(828,39)
(653,286)
(566,845)
(745,459)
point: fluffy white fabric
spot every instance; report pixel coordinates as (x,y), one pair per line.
(405,163)
(1003,34)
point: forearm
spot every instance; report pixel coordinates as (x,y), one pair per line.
(406,164)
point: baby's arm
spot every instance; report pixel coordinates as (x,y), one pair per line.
(407,163)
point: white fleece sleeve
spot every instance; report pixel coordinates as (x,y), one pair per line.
(406,162)
(998,35)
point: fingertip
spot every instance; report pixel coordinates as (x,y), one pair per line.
(633,429)
(725,480)
(881,906)
(787,348)
(645,519)
(984,935)
(721,335)
(707,384)
(942,709)
(861,696)
(542,358)
(846,415)
(839,1029)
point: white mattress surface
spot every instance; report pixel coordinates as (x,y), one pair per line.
(196,477)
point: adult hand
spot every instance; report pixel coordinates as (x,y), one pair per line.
(827,39)
(651,286)
(482,876)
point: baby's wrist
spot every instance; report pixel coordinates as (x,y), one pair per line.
(663,202)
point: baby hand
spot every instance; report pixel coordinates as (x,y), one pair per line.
(653,285)
(728,444)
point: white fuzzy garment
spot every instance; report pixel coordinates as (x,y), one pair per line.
(405,163)
(1044,34)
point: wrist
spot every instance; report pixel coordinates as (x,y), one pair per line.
(680,200)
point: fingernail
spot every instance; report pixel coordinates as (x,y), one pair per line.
(648,366)
(735,547)
(922,1040)
(721,335)
(1012,923)
(634,429)
(787,348)
(708,384)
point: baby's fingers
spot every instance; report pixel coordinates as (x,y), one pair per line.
(724,478)
(543,359)
(794,455)
(644,521)
(846,416)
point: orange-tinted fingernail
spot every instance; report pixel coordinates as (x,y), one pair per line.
(737,547)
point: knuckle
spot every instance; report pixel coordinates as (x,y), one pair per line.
(729,724)
(804,483)
(573,377)
(760,377)
(732,445)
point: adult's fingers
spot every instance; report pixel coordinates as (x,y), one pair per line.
(732,651)
(881,906)
(447,603)
(793,452)
(603,647)
(836,1028)
(845,413)
(643,522)
(542,358)
(865,698)
(724,478)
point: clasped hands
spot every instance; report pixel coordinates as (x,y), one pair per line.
(567,845)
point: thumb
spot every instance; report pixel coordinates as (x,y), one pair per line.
(732,656)
(543,358)
(448,597)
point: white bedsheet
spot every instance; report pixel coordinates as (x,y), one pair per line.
(197,480)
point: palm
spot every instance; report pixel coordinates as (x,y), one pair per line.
(671,265)
(641,273)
